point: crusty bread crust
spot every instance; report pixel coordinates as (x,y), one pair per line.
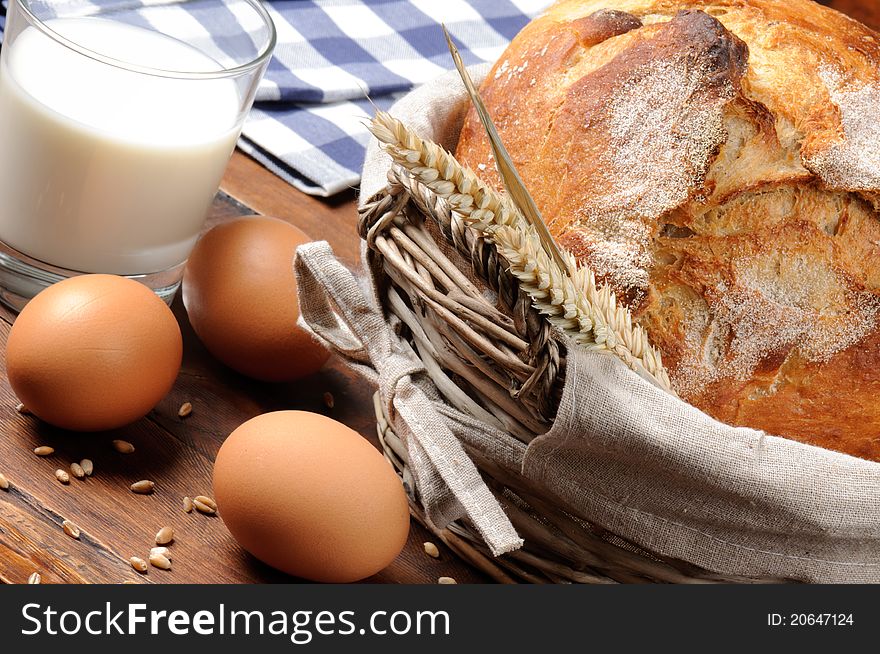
(718,163)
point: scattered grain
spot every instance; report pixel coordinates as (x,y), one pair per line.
(70,529)
(187,504)
(23,410)
(161,551)
(446,581)
(201,507)
(164,536)
(329,400)
(185,409)
(87,466)
(123,447)
(77,470)
(35,578)
(62,476)
(138,564)
(431,550)
(160,561)
(143,487)
(4,482)
(207,501)
(44,450)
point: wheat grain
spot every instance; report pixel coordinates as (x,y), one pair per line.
(185,409)
(87,466)
(431,550)
(160,561)
(35,578)
(62,476)
(187,505)
(445,581)
(164,536)
(44,450)
(4,482)
(23,410)
(70,529)
(201,507)
(143,487)
(123,447)
(204,499)
(77,470)
(569,297)
(161,551)
(138,564)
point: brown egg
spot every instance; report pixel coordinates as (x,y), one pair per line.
(240,294)
(309,496)
(93,352)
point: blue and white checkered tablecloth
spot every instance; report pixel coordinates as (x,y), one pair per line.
(307,123)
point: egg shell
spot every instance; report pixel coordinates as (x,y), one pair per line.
(93,352)
(309,496)
(240,294)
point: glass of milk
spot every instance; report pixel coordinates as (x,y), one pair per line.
(117,120)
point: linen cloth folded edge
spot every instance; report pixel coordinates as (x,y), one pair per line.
(336,312)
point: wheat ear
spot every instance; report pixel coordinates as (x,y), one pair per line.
(570,299)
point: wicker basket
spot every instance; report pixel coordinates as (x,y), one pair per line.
(494,358)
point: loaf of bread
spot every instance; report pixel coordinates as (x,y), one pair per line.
(717,163)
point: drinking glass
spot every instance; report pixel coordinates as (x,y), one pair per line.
(117,120)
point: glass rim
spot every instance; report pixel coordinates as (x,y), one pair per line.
(262,56)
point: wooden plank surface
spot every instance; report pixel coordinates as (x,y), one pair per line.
(178,453)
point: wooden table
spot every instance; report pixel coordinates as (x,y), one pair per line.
(178,453)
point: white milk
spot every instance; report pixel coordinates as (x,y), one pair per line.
(103,169)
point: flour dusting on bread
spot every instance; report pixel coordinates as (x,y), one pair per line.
(657,115)
(854,162)
(654,118)
(779,305)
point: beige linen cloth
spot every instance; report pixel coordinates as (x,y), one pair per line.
(636,461)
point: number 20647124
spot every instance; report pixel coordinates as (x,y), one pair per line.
(810,620)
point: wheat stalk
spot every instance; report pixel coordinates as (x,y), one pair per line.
(437,169)
(570,298)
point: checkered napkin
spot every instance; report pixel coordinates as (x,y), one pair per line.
(307,124)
